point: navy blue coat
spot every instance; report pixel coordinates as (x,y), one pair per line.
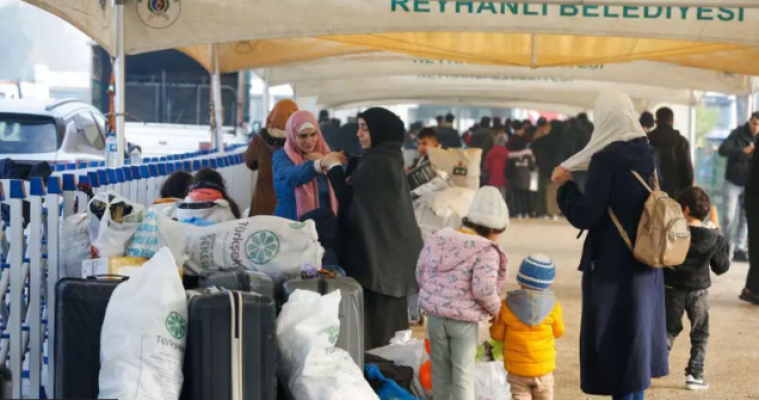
(288,176)
(623,339)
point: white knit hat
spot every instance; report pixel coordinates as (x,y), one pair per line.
(488,209)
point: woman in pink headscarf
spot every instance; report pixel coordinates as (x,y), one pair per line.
(300,180)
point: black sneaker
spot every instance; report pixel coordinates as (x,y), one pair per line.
(747,296)
(693,383)
(740,256)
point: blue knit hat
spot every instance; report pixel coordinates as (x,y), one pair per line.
(537,272)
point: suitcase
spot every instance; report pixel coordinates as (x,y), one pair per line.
(80,311)
(231,350)
(351,337)
(244,281)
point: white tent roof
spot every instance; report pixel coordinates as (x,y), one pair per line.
(494,103)
(385,64)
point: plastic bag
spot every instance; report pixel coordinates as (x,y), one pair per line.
(112,221)
(461,165)
(214,212)
(143,338)
(75,246)
(157,230)
(490,381)
(407,352)
(314,369)
(442,209)
(275,246)
(389,390)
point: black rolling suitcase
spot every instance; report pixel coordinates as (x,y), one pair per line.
(80,311)
(244,281)
(231,349)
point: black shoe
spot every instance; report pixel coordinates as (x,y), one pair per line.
(749,297)
(740,256)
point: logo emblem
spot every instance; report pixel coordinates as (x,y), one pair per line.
(176,325)
(159,14)
(333,333)
(297,225)
(460,169)
(261,247)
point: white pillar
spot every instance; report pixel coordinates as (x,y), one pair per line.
(750,99)
(266,95)
(692,120)
(120,72)
(218,139)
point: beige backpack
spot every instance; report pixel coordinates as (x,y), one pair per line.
(663,237)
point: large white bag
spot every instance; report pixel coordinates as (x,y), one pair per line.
(307,330)
(407,352)
(156,231)
(143,338)
(442,209)
(490,381)
(110,238)
(275,246)
(215,212)
(461,165)
(75,246)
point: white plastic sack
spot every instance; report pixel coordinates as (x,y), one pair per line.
(406,352)
(74,245)
(110,238)
(461,165)
(216,212)
(143,338)
(275,246)
(443,209)
(490,381)
(307,330)
(156,231)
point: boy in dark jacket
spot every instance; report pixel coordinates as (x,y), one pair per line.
(687,286)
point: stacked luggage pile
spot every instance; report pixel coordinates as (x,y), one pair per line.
(191,320)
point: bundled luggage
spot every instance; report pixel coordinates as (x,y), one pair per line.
(350,312)
(461,165)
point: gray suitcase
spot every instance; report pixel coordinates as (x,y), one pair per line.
(351,337)
(244,281)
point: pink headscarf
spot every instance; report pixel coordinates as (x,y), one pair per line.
(306,195)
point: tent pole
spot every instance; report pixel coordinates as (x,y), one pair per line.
(218,116)
(692,120)
(266,95)
(750,97)
(119,104)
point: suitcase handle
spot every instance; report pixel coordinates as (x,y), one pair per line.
(108,277)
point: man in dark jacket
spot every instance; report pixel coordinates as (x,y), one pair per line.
(483,138)
(449,137)
(751,292)
(673,152)
(739,150)
(687,286)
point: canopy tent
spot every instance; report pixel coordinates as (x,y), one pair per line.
(467,101)
(386,64)
(506,33)
(398,86)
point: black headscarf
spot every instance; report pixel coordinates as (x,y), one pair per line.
(384,126)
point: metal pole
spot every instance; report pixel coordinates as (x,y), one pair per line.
(265,96)
(692,125)
(750,98)
(119,69)
(218,140)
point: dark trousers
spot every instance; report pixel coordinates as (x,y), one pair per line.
(752,216)
(522,200)
(695,303)
(632,396)
(541,205)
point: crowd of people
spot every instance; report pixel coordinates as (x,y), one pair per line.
(351,180)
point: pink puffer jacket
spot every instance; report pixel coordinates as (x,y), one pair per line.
(461,276)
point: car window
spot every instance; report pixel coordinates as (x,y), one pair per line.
(25,134)
(100,120)
(89,133)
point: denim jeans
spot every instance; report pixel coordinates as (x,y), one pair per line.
(735,227)
(632,396)
(695,303)
(454,350)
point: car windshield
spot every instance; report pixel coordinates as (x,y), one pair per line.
(25,134)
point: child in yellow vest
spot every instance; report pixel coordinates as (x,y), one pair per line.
(530,321)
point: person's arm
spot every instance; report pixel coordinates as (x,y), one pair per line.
(731,146)
(485,281)
(251,154)
(498,329)
(290,174)
(720,261)
(585,210)
(558,322)
(686,166)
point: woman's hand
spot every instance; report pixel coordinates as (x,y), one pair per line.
(495,319)
(332,158)
(313,156)
(560,175)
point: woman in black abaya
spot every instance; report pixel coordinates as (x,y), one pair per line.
(380,239)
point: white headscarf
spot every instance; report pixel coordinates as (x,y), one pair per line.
(615,120)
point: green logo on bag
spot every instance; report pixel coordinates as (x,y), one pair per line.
(297,225)
(333,332)
(261,247)
(176,325)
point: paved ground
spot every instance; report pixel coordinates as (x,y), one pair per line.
(732,362)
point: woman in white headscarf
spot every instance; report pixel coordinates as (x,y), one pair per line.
(623,335)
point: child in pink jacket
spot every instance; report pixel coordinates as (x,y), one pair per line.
(461,275)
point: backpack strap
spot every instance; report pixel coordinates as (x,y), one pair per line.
(641,180)
(621,230)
